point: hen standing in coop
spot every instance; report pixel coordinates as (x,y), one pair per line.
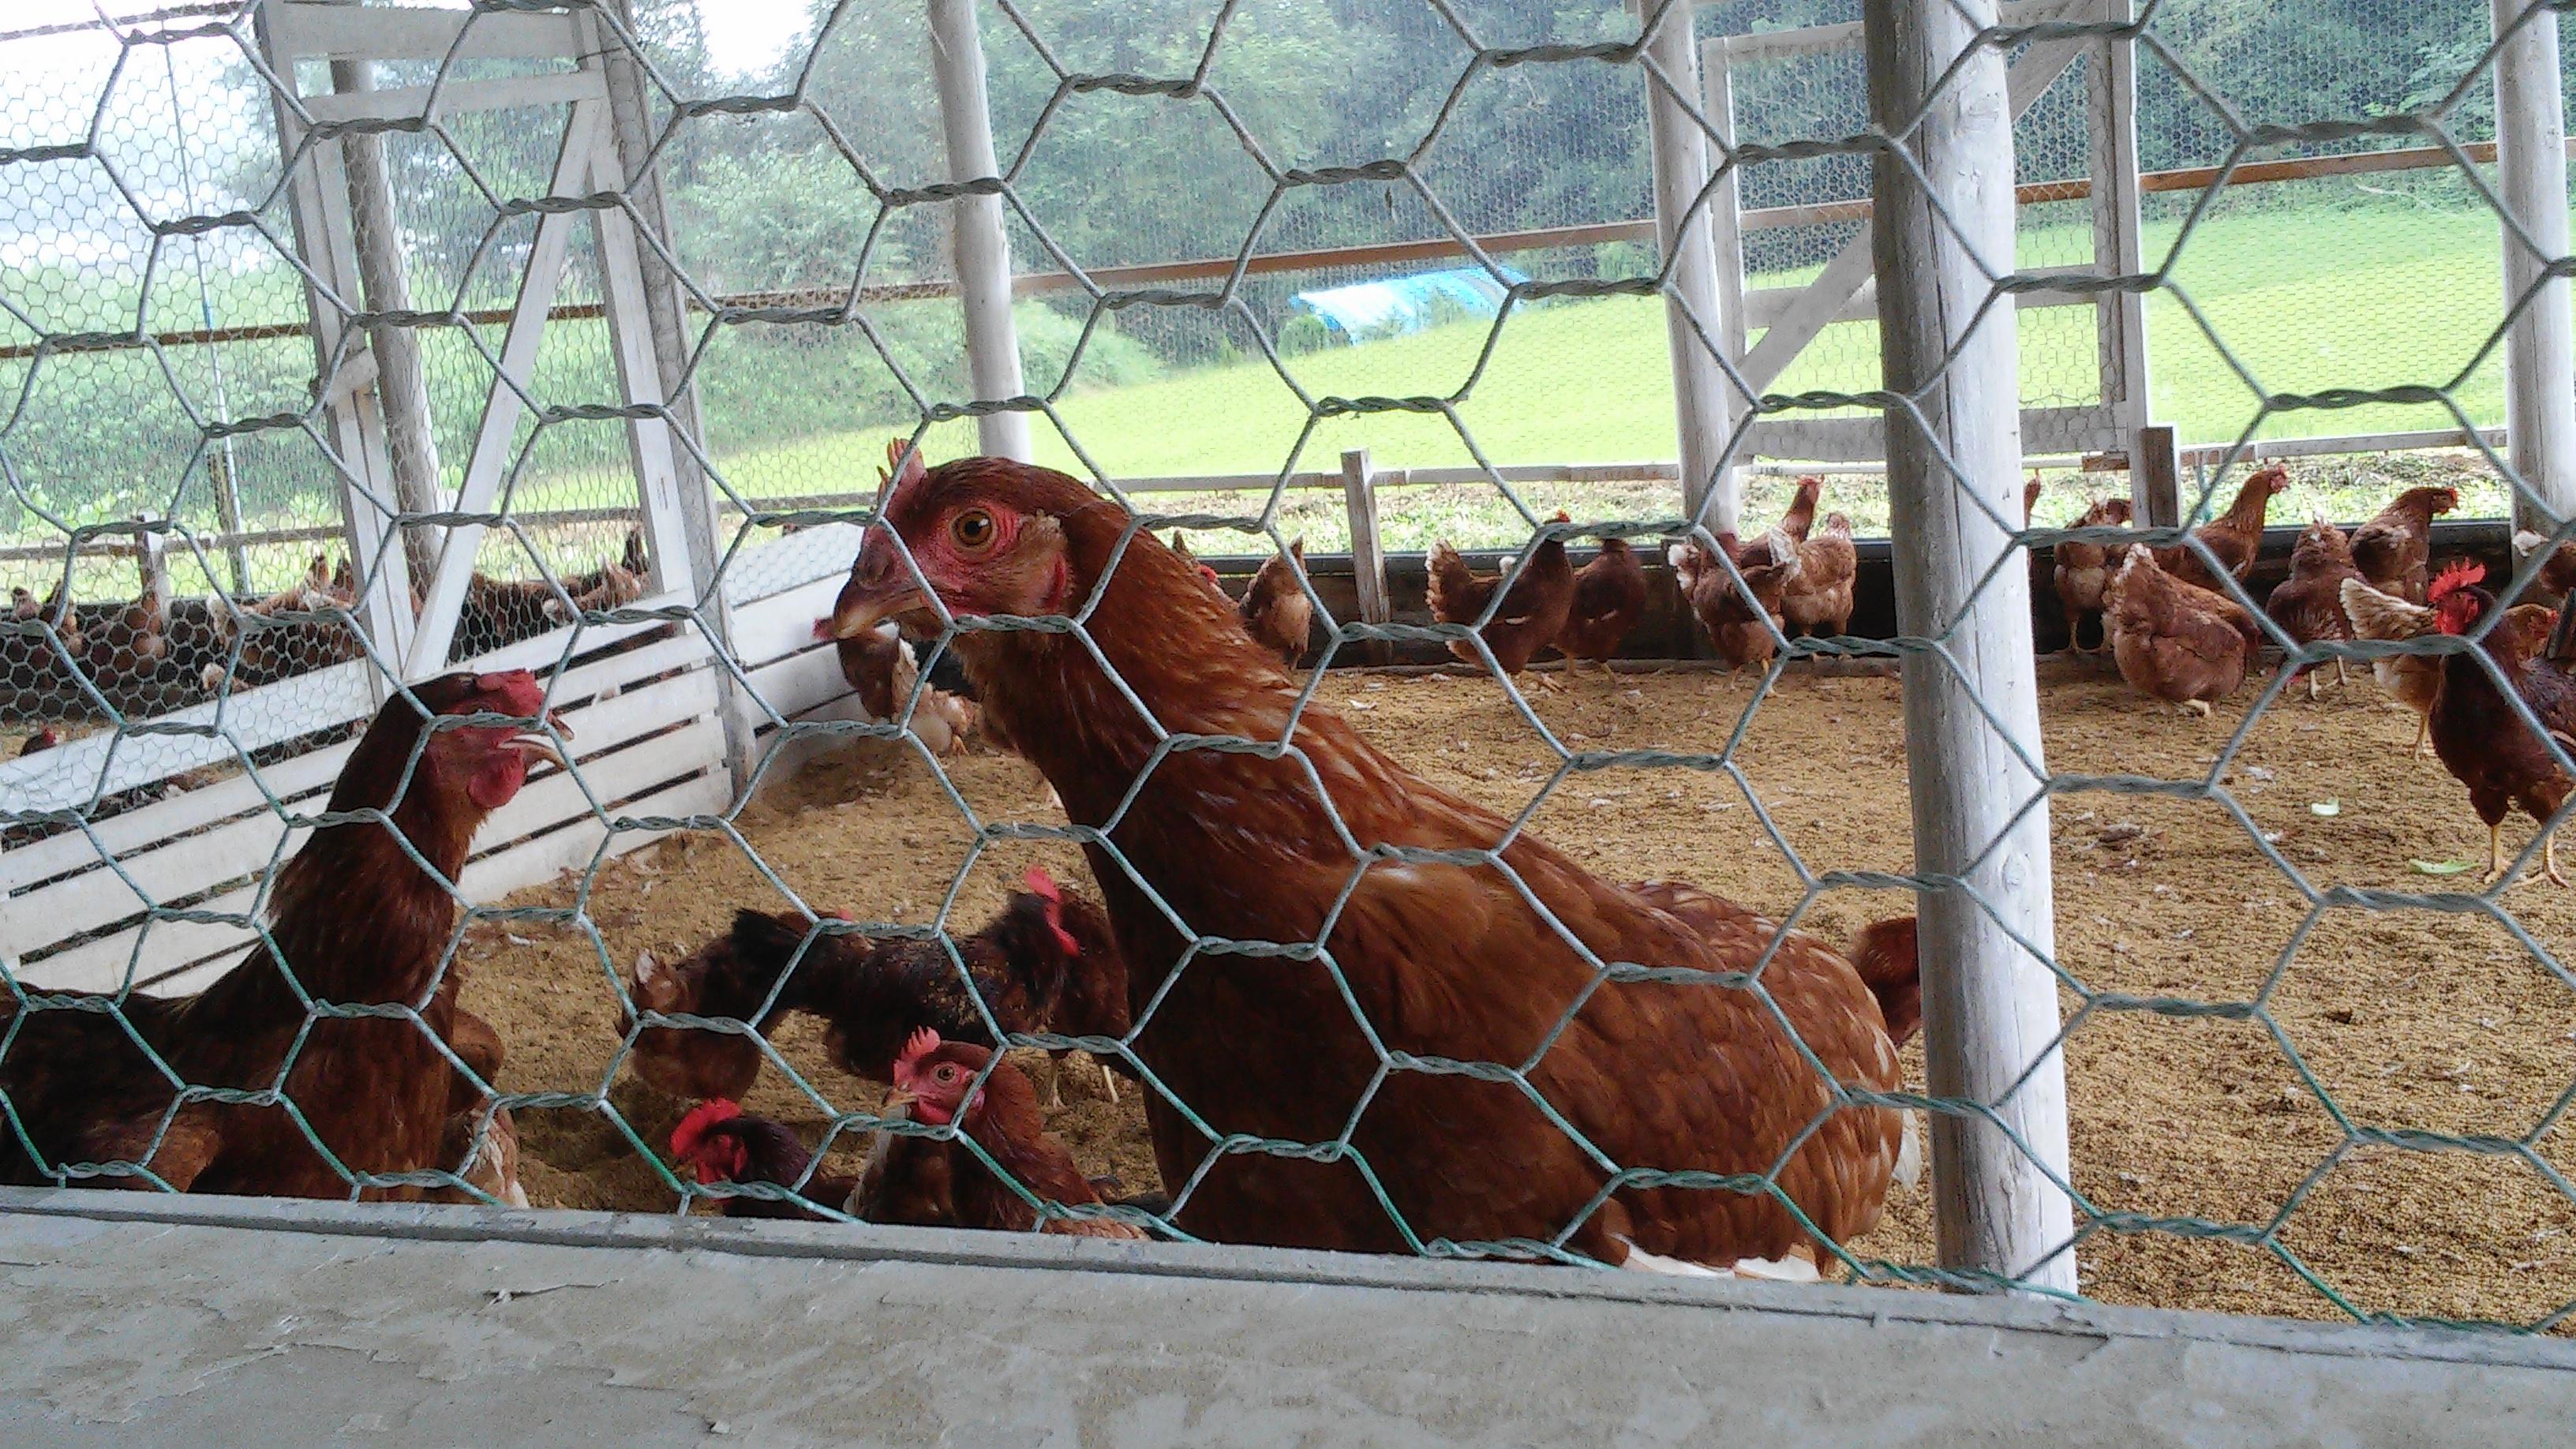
(1609,599)
(2176,641)
(2308,605)
(2084,570)
(1531,614)
(1442,960)
(1048,962)
(1817,597)
(290,631)
(1739,632)
(1207,575)
(2476,732)
(2391,550)
(1276,611)
(123,653)
(359,923)
(2557,575)
(2234,539)
(1802,509)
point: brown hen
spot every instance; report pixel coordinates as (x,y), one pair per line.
(1443,961)
(2084,569)
(1609,599)
(360,924)
(2392,548)
(1530,616)
(2176,641)
(1276,611)
(2308,605)
(2233,538)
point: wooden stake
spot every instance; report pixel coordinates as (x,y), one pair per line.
(1989,1005)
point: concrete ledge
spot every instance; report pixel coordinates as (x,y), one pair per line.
(149,1319)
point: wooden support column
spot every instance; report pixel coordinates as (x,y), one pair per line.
(2540,346)
(1703,400)
(2155,477)
(1954,476)
(983,247)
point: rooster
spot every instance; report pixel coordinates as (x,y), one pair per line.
(2233,539)
(2181,643)
(1048,963)
(1742,633)
(1442,960)
(2308,605)
(2392,548)
(359,922)
(2415,680)
(2477,734)
(2084,569)
(1276,611)
(1530,616)
(1609,598)
(1817,598)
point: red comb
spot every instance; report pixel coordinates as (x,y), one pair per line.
(922,1043)
(692,1131)
(1043,886)
(2455,576)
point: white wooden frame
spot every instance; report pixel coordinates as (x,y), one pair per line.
(650,724)
(1790,318)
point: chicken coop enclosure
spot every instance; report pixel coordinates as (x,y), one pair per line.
(347,346)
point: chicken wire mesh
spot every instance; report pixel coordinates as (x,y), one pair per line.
(808,226)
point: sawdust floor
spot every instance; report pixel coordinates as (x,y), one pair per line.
(2415,1021)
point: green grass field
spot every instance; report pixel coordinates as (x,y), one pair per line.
(2306,300)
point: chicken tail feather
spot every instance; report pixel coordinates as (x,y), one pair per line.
(1890,965)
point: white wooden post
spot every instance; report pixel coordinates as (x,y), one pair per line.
(1368,558)
(1703,403)
(494,440)
(1726,204)
(2111,84)
(665,312)
(402,391)
(317,192)
(1989,1008)
(2155,476)
(983,248)
(2540,348)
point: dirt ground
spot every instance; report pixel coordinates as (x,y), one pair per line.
(2415,1021)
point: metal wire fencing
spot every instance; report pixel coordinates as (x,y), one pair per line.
(751,290)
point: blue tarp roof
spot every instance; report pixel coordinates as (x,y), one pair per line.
(1397,305)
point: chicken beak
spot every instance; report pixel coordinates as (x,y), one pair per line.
(898,1102)
(881,587)
(536,745)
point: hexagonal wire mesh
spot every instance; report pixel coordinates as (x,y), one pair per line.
(168,276)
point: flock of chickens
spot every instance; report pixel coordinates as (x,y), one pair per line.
(157,653)
(1414,932)
(1369,1014)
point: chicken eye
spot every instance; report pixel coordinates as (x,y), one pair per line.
(973,529)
